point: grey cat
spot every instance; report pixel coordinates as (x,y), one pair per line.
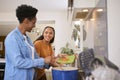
(101,71)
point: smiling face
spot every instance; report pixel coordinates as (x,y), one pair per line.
(48,34)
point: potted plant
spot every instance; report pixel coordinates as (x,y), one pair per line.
(66,50)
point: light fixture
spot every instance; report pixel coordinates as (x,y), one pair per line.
(99,10)
(92,19)
(85,10)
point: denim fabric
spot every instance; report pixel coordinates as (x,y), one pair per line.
(18,56)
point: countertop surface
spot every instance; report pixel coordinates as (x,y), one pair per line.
(2,60)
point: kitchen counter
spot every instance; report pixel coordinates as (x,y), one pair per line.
(2,60)
(2,64)
(2,68)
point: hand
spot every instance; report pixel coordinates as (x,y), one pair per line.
(62,55)
(53,61)
(60,65)
(57,64)
(48,59)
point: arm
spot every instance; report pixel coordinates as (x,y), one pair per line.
(17,58)
(54,63)
(37,46)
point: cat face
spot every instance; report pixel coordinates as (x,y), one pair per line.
(95,63)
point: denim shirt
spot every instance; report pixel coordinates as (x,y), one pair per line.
(18,56)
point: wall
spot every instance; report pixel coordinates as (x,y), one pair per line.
(85,3)
(114,30)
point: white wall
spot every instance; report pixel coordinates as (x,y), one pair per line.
(85,3)
(8,17)
(114,31)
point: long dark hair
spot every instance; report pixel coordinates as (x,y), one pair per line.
(42,37)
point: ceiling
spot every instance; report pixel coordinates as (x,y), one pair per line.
(41,5)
